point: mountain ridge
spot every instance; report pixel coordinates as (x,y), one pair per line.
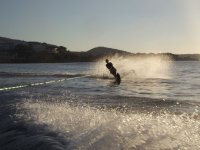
(19,51)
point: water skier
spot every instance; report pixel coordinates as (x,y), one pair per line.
(113,71)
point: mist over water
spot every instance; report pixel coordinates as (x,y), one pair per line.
(133,68)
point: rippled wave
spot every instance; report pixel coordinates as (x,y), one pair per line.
(72,121)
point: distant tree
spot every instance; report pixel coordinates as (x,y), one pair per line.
(62,50)
(62,54)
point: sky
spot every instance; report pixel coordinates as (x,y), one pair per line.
(133,25)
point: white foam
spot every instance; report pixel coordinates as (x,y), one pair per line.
(90,128)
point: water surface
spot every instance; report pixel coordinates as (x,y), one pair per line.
(78,106)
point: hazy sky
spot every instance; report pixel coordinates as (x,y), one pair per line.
(131,25)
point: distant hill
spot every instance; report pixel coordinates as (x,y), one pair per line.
(6,43)
(8,40)
(10,44)
(104,51)
(18,51)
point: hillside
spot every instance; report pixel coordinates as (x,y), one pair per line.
(6,43)
(8,40)
(18,51)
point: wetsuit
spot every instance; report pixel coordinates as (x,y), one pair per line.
(112,69)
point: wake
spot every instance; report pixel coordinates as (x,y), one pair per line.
(41,83)
(85,127)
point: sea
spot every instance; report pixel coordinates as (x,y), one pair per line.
(70,106)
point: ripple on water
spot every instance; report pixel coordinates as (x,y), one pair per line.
(85,127)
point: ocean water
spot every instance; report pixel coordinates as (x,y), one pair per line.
(78,106)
